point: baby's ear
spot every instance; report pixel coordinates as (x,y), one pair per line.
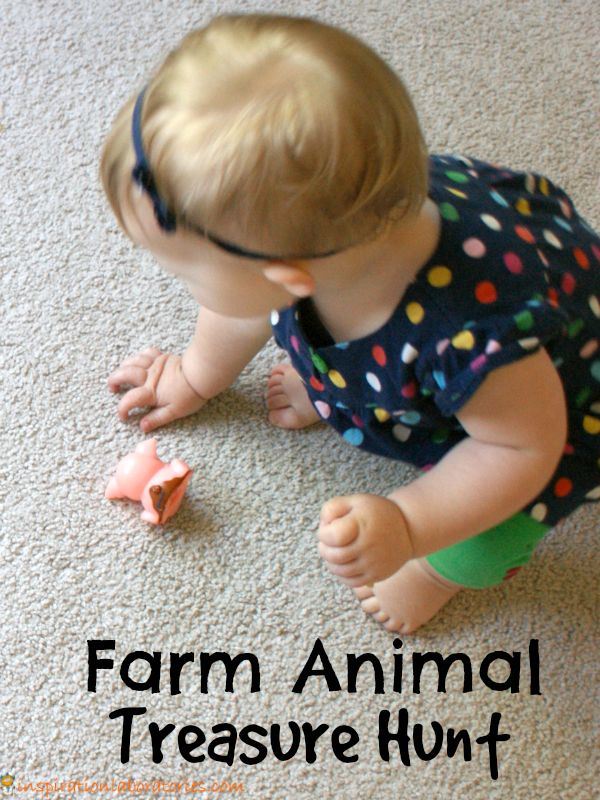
(293,276)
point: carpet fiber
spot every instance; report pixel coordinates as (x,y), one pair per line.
(237,570)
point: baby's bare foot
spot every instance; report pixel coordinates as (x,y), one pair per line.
(409,598)
(287,400)
(363,538)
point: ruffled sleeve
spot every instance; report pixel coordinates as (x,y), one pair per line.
(457,363)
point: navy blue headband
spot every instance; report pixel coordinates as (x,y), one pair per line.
(142,175)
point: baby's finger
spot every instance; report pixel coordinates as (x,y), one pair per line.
(126,376)
(135,398)
(353,582)
(337,555)
(335,508)
(157,418)
(144,359)
(346,571)
(153,352)
(339,533)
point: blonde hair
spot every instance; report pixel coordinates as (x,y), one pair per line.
(290,132)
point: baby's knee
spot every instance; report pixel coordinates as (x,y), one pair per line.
(491,557)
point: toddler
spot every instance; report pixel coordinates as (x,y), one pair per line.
(435,309)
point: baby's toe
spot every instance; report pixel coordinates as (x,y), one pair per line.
(370,604)
(363,592)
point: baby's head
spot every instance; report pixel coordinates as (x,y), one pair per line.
(282,134)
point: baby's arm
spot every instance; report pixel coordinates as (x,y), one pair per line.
(517,427)
(176,386)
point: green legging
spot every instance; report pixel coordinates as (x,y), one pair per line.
(491,557)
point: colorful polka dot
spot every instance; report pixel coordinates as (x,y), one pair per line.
(553,297)
(595,370)
(415,312)
(319,363)
(568,283)
(524,320)
(594,305)
(354,436)
(409,353)
(539,512)
(457,177)
(440,436)
(382,415)
(523,207)
(478,363)
(316,384)
(583,397)
(525,234)
(324,409)
(456,192)
(492,222)
(497,198)
(295,343)
(566,208)
(493,347)
(474,247)
(589,348)
(449,212)
(486,292)
(274,318)
(409,390)
(439,378)
(530,183)
(513,263)
(574,328)
(337,379)
(439,277)
(401,432)
(411,418)
(464,341)
(594,494)
(581,258)
(563,487)
(552,239)
(530,344)
(591,425)
(562,223)
(379,355)
(544,189)
(373,381)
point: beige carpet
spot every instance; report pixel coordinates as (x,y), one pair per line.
(237,571)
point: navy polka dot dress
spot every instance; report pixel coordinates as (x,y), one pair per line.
(516,269)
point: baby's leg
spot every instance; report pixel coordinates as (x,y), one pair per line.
(287,400)
(414,594)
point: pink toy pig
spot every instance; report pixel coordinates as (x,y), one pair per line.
(143,476)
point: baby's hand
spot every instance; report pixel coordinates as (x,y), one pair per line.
(363,538)
(156,380)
